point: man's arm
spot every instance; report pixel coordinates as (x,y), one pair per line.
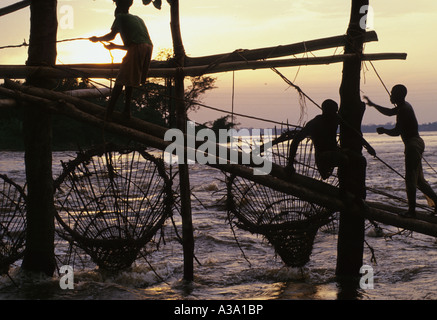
(302,134)
(391,132)
(107,37)
(385,111)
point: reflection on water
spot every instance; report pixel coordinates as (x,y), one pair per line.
(406,263)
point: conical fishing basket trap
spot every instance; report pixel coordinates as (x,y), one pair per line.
(287,222)
(12,222)
(111,203)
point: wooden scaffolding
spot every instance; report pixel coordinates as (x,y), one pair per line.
(43,102)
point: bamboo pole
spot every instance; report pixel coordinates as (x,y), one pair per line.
(89,93)
(294,62)
(7,103)
(14,7)
(181,122)
(276,51)
(110,71)
(253,54)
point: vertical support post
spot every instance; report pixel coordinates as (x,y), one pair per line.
(39,252)
(352,177)
(181,121)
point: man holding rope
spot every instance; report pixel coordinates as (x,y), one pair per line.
(407,127)
(139,47)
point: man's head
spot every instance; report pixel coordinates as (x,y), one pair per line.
(329,107)
(398,93)
(123,6)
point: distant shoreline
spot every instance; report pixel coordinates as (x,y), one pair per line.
(422,127)
(367,128)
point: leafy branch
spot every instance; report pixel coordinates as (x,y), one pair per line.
(156,3)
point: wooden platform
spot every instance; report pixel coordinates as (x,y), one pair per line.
(303,187)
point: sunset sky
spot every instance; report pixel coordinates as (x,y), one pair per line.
(210,27)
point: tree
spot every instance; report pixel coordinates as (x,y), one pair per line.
(156,3)
(158,96)
(199,85)
(221,123)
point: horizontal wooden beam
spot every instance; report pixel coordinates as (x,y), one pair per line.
(423,223)
(295,62)
(7,103)
(264,53)
(162,69)
(14,7)
(276,51)
(96,71)
(89,93)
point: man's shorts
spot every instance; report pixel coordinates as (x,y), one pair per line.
(135,65)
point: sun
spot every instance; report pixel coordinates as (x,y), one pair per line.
(85,51)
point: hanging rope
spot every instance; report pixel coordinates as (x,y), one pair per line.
(379,77)
(25,44)
(233,95)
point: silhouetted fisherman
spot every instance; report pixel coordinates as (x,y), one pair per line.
(407,127)
(135,65)
(322,130)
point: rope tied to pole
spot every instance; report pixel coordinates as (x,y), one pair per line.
(26,44)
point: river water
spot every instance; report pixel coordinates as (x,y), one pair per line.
(405,268)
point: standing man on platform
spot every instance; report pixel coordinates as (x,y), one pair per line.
(139,47)
(407,127)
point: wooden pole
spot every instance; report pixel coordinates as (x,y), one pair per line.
(7,103)
(110,71)
(89,93)
(276,51)
(39,252)
(14,7)
(181,121)
(352,177)
(264,53)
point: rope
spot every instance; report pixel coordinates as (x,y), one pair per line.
(379,77)
(429,165)
(295,86)
(25,44)
(233,95)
